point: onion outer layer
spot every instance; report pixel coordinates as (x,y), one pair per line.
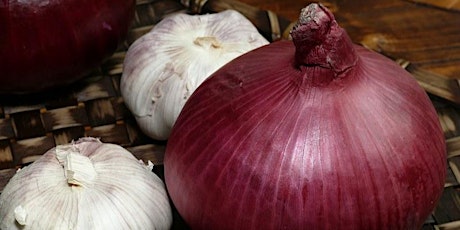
(52,43)
(317,133)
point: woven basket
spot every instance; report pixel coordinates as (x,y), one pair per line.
(31,125)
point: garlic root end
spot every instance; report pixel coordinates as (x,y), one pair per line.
(207,42)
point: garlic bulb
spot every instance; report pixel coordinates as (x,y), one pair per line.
(85,185)
(164,67)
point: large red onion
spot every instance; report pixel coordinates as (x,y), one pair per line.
(50,43)
(317,133)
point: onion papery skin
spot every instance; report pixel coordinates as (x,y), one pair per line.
(53,43)
(267,144)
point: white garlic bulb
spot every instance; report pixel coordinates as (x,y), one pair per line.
(85,185)
(163,68)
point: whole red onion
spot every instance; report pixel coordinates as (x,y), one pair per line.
(317,133)
(50,43)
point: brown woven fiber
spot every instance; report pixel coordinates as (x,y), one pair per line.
(32,124)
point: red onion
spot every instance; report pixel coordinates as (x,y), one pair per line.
(50,43)
(317,133)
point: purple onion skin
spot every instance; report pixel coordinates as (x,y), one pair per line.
(47,44)
(272,142)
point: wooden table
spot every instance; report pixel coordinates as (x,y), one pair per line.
(288,9)
(424,35)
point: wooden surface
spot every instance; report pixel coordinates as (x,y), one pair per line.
(290,9)
(424,35)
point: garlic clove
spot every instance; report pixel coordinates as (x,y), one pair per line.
(20,215)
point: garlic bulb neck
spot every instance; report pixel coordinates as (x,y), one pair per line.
(78,169)
(207,42)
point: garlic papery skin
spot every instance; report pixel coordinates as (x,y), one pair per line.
(163,68)
(78,169)
(85,185)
